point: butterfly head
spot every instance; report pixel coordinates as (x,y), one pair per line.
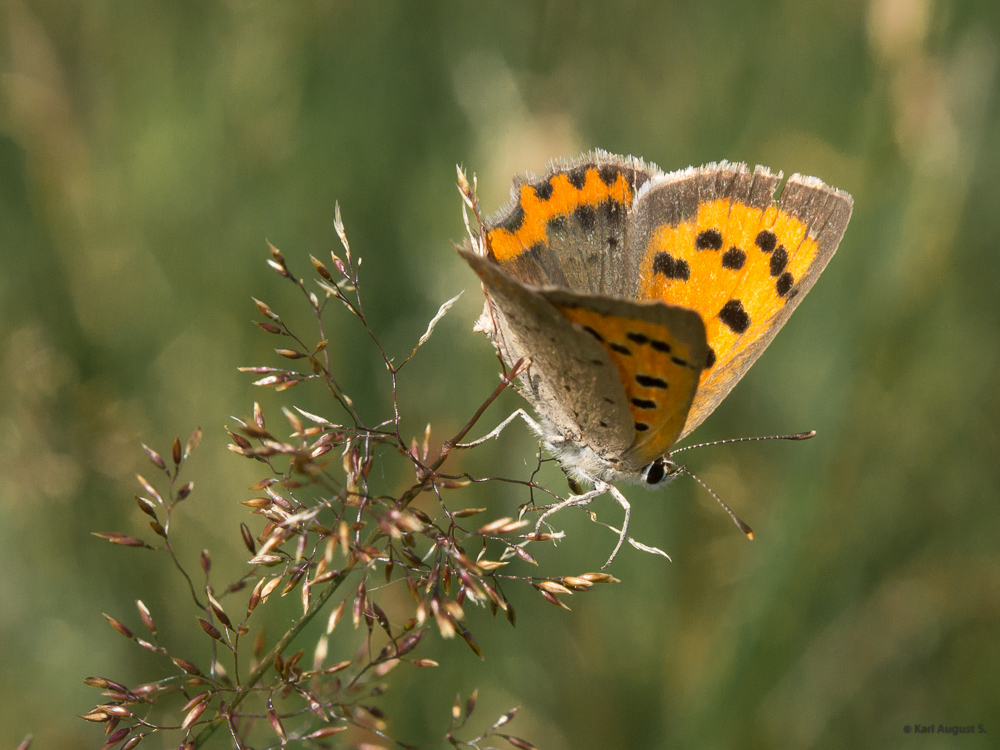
(584,464)
(659,472)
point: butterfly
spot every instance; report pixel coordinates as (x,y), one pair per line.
(640,298)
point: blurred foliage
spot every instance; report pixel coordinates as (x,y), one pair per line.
(148,150)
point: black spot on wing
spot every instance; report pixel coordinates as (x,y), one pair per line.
(671,267)
(735,316)
(651,381)
(783,284)
(779,260)
(544,190)
(638,337)
(608,174)
(643,403)
(578,177)
(766,240)
(734,258)
(709,239)
(514,221)
(534,252)
(614,212)
(587,216)
(620,348)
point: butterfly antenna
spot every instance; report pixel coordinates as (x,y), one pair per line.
(794,436)
(740,523)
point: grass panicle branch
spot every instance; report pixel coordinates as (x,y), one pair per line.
(320,528)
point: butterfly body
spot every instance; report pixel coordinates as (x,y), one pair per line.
(641,298)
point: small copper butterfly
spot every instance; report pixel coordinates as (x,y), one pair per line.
(641,298)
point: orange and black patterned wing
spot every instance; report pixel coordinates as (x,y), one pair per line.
(713,239)
(615,375)
(658,351)
(567,229)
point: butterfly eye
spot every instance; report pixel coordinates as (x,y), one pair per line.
(658,472)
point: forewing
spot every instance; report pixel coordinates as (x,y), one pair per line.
(713,239)
(567,229)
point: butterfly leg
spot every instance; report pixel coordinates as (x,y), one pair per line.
(581,500)
(617,495)
(537,428)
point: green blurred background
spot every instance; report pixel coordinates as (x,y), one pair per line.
(148,150)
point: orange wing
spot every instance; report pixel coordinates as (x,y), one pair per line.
(658,352)
(713,240)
